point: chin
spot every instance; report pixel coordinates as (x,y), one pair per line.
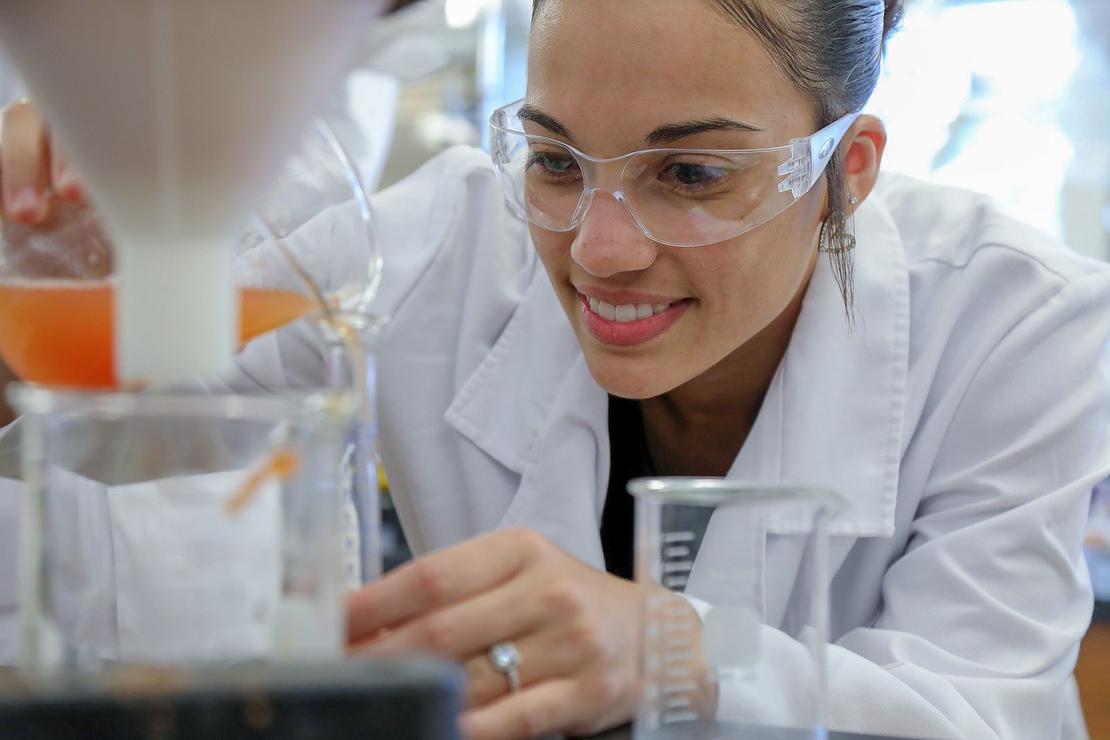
(627,377)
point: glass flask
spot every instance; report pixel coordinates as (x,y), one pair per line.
(57,279)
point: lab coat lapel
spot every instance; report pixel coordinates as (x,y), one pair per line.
(832,418)
(562,490)
(840,397)
(534,408)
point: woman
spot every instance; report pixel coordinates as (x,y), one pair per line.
(934,362)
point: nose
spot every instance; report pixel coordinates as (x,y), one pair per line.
(609,242)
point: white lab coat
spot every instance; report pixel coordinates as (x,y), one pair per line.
(963,419)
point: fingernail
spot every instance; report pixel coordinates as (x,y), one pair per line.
(27,206)
(69,186)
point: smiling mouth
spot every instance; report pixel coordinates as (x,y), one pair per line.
(629,325)
(626,314)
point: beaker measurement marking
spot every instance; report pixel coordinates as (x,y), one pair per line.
(678,566)
(676,551)
(676,581)
(678,656)
(678,702)
(670,538)
(676,644)
(677,673)
(679,686)
(672,717)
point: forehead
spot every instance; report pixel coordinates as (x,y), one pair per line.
(612,70)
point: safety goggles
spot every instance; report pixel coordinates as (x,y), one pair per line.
(677,197)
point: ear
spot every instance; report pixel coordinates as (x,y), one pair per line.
(866,143)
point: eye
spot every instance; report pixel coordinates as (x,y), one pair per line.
(692,176)
(553,165)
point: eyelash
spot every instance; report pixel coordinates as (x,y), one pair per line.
(696,187)
(544,159)
(539,158)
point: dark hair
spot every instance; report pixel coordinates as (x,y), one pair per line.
(830,50)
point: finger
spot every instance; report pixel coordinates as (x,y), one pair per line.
(24,169)
(467,627)
(63,178)
(551,654)
(544,708)
(439,579)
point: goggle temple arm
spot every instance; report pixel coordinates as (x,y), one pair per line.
(810,156)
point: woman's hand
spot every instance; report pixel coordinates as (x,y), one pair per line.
(33,170)
(577,630)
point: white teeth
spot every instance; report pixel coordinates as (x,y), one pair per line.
(625,313)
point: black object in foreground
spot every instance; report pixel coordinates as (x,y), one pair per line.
(412,699)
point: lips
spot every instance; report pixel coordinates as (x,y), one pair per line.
(637,320)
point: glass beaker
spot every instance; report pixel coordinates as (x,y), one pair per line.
(174,529)
(736,612)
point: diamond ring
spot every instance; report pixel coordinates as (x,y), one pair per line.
(506,659)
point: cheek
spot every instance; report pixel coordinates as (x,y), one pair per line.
(553,249)
(748,282)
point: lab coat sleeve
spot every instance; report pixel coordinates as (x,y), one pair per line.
(983,612)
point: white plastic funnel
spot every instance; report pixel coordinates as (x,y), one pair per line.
(176,112)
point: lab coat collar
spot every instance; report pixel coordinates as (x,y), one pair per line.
(832,416)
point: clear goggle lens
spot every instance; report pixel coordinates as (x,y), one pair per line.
(677,197)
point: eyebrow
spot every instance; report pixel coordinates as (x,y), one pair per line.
(665,134)
(535,115)
(671,132)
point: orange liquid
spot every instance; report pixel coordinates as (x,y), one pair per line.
(58,333)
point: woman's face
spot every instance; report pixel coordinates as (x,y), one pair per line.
(610,72)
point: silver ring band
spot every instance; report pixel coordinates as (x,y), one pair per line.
(506,659)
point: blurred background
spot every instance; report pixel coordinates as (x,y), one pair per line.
(1008,97)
